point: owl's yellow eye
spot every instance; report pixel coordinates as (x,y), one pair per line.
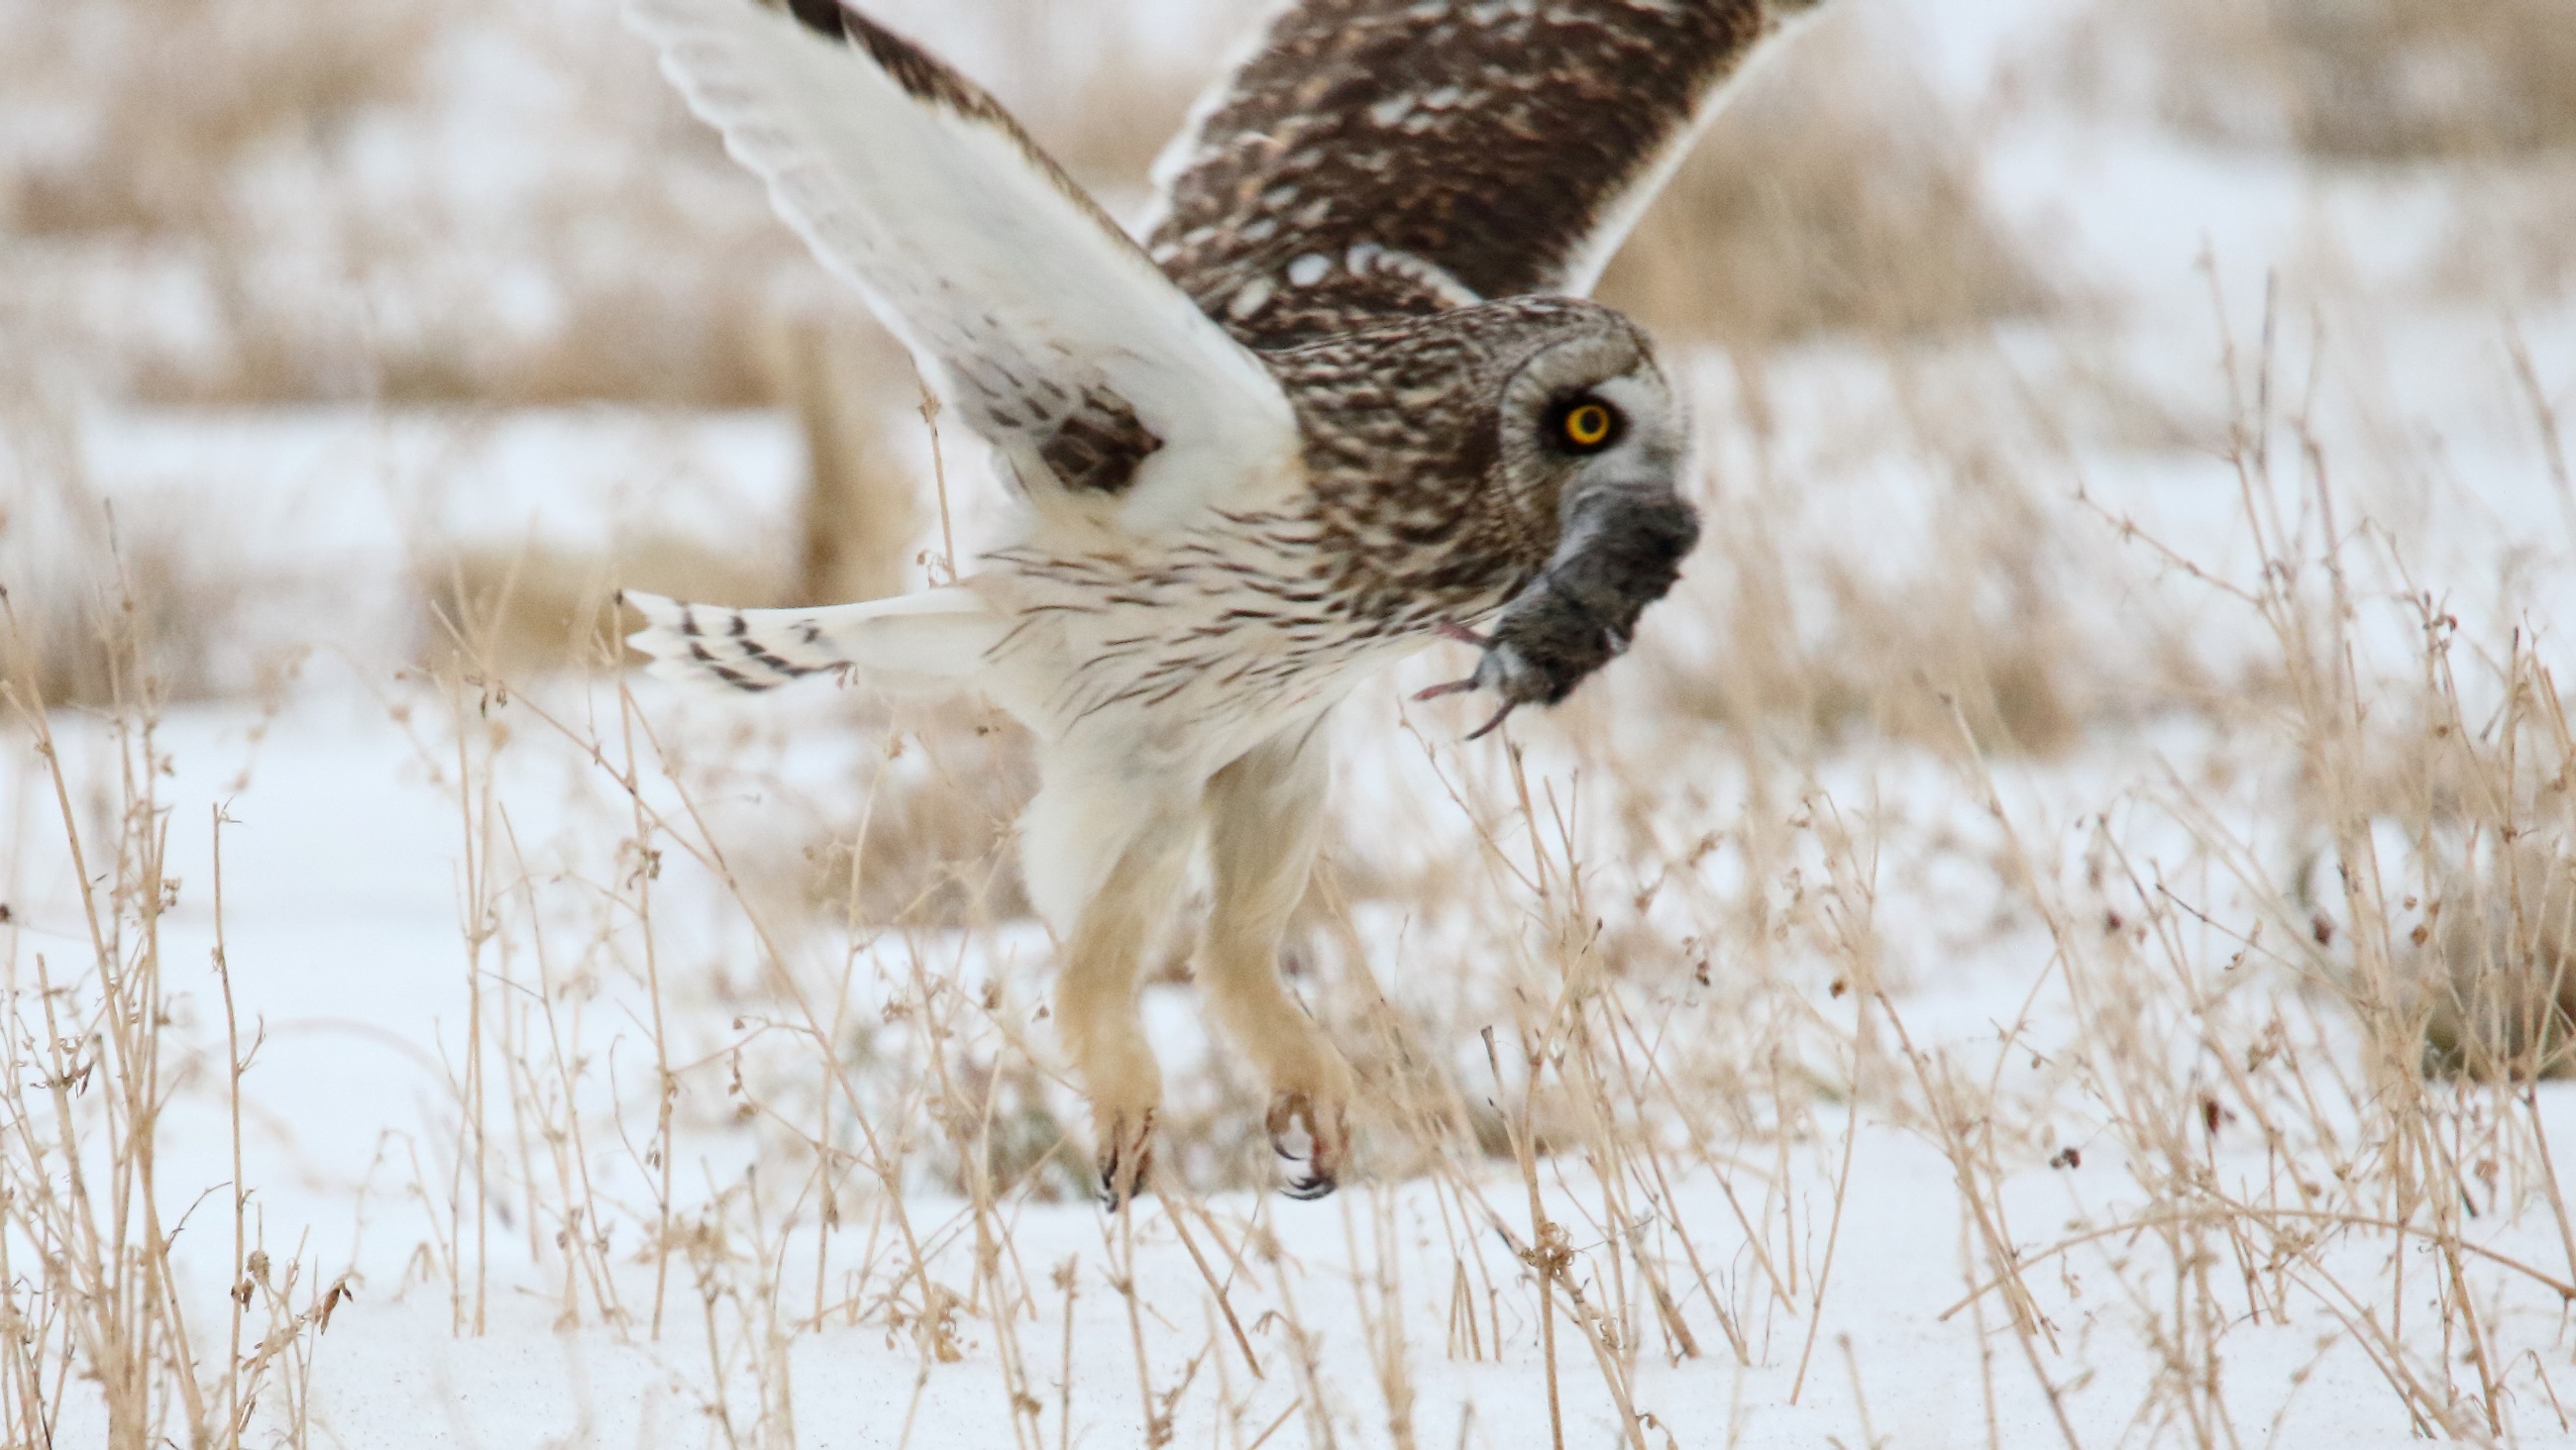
(1589,425)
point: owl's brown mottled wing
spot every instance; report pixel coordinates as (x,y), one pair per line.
(1378,157)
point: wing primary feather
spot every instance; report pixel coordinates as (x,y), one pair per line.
(1102,386)
(1476,151)
(924,78)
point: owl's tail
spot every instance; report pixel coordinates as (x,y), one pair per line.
(913,643)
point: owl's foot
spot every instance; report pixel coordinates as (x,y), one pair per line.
(1460,687)
(1314,1137)
(1126,1158)
(1460,634)
(1487,676)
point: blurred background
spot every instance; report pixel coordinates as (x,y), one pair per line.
(495,204)
(453,212)
(457,211)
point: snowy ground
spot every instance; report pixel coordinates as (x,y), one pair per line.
(1819,1074)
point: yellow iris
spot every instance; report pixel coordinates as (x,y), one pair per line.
(1588,426)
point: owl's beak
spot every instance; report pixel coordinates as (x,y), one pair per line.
(1629,473)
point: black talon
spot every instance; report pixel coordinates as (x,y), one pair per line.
(1294,1120)
(1490,726)
(1115,1165)
(1111,1200)
(1307,1190)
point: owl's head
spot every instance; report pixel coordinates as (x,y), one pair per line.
(1493,416)
(1580,406)
(1524,455)
(1588,449)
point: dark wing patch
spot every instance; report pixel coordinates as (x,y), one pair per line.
(1381,157)
(1099,445)
(823,17)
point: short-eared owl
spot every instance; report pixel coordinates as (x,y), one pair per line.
(1343,401)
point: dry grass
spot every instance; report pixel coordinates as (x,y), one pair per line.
(176,96)
(859,512)
(519,611)
(2472,824)
(156,598)
(2515,238)
(1881,615)
(104,605)
(263,183)
(1834,195)
(523,610)
(217,152)
(2363,80)
(2344,715)
(1579,1021)
(933,845)
(1901,655)
(2498,998)
(102,1330)
(2474,97)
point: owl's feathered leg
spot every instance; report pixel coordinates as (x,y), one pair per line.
(1265,821)
(1105,856)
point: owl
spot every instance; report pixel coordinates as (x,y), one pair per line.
(1344,400)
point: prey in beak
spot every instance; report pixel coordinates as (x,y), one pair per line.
(1621,550)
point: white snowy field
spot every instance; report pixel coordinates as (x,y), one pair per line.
(2053,937)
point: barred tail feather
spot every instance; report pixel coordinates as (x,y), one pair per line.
(913,643)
